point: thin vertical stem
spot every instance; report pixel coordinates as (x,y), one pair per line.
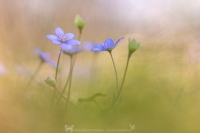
(115,70)
(64,88)
(70,81)
(34,74)
(56,75)
(127,63)
(58,65)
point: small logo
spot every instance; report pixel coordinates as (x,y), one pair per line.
(69,128)
(132,126)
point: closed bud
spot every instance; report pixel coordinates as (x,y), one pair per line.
(133,46)
(50,82)
(79,22)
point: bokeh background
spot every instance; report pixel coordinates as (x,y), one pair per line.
(161,91)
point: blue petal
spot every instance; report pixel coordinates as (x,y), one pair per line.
(59,32)
(66,48)
(72,42)
(118,41)
(52,37)
(109,44)
(98,48)
(57,42)
(69,36)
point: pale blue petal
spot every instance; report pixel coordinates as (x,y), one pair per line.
(52,37)
(69,36)
(109,44)
(66,48)
(98,48)
(59,31)
(118,41)
(72,42)
(57,42)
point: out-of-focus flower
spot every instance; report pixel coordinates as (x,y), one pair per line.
(79,22)
(45,57)
(109,45)
(3,69)
(62,38)
(88,45)
(71,50)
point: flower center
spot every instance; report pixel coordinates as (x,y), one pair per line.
(62,38)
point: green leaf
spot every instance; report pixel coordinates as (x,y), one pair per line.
(91,98)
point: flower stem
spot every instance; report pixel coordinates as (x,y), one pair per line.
(120,90)
(33,76)
(56,74)
(64,88)
(55,88)
(79,36)
(115,70)
(58,65)
(70,81)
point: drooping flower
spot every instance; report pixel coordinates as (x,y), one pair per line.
(62,38)
(71,50)
(45,57)
(109,45)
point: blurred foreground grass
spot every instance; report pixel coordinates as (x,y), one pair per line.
(161,91)
(160,94)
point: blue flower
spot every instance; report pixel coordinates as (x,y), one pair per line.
(71,50)
(109,45)
(62,38)
(45,57)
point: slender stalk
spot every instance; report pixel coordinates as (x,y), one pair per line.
(115,70)
(58,65)
(56,74)
(79,36)
(64,88)
(70,81)
(33,76)
(63,95)
(127,63)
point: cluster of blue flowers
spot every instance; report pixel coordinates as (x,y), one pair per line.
(71,47)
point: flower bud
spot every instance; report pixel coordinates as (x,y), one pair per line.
(79,22)
(50,82)
(133,46)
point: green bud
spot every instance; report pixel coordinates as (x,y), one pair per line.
(133,46)
(50,82)
(79,22)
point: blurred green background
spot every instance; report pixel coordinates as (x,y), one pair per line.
(161,92)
